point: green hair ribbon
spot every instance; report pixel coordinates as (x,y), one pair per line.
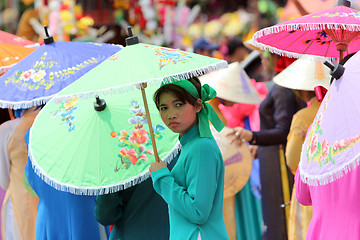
(207,113)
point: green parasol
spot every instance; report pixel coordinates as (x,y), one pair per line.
(76,148)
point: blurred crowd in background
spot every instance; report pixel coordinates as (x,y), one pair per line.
(161,22)
(216,28)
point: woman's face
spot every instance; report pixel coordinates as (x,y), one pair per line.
(179,117)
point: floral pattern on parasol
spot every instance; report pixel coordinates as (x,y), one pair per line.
(66,110)
(34,77)
(135,144)
(109,149)
(322,152)
(332,145)
(170,56)
(48,69)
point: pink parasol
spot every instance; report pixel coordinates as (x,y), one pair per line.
(324,33)
(332,145)
(9,38)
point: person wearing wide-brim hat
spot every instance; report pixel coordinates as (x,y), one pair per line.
(302,76)
(236,104)
(276,112)
(232,84)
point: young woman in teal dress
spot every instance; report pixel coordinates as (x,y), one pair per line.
(193,189)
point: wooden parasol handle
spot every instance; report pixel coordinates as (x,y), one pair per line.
(12,117)
(142,87)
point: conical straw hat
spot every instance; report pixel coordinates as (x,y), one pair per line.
(237,161)
(304,74)
(232,84)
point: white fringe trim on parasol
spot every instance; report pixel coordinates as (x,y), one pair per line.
(330,176)
(135,86)
(89,191)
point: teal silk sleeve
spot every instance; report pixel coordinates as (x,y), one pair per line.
(195,201)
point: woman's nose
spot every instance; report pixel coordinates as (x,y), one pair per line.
(172,115)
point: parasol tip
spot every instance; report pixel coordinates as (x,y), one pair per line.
(131,40)
(100,104)
(337,70)
(129,29)
(48,39)
(345,3)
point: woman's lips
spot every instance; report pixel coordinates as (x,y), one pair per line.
(173,124)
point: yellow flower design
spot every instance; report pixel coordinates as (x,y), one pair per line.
(70,102)
(37,76)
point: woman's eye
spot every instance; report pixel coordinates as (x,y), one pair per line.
(179,104)
(163,108)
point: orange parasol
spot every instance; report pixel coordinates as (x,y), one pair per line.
(11,54)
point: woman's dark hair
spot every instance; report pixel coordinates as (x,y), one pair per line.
(183,95)
(234,44)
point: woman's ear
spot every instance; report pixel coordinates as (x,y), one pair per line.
(199,105)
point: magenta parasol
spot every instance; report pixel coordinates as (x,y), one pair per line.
(329,33)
